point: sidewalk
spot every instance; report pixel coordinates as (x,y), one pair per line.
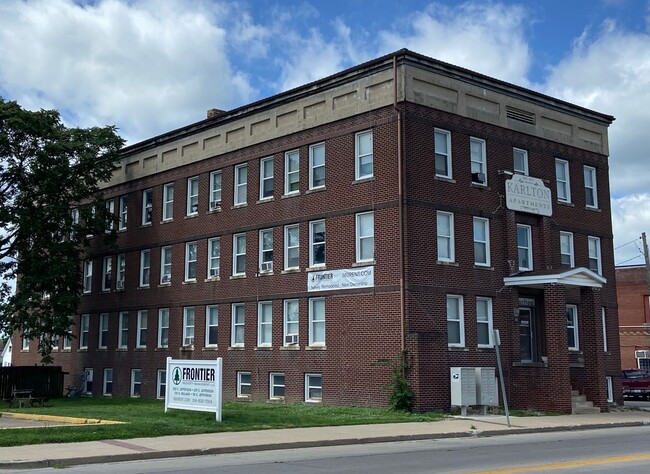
(25,457)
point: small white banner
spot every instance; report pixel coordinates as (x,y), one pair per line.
(194,385)
(360,277)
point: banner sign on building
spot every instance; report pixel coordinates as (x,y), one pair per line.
(360,277)
(528,194)
(194,385)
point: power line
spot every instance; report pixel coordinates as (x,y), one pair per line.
(631,241)
(628,260)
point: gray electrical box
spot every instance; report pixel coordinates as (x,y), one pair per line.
(487,393)
(463,386)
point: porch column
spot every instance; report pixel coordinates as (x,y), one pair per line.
(557,345)
(590,333)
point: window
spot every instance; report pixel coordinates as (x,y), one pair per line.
(192,196)
(442,147)
(313,388)
(290,331)
(88,276)
(317,166)
(562,179)
(74,213)
(365,236)
(107,274)
(604,323)
(147,206)
(239,254)
(317,244)
(241,184)
(211,325)
(88,381)
(266,178)
(123,333)
(276,386)
(136,382)
(141,335)
(107,388)
(610,389)
(520,161)
(566,249)
(572,327)
(215,190)
(123,213)
(445,232)
(121,271)
(145,264)
(484,322)
(455,321)
(291,246)
(190,261)
(103,331)
(214,257)
(292,172)
(166,265)
(161,385)
(595,263)
(84,330)
(524,247)
(478,161)
(163,327)
(25,344)
(188,326)
(481,241)
(243,384)
(237,335)
(264,324)
(591,189)
(317,322)
(266,250)
(67,337)
(363,155)
(168,202)
(110,209)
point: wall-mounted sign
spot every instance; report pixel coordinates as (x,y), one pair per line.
(528,194)
(360,277)
(194,385)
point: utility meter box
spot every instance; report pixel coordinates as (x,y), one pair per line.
(463,386)
(487,393)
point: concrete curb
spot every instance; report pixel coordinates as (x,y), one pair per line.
(59,419)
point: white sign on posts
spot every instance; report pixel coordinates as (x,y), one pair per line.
(327,280)
(528,194)
(194,385)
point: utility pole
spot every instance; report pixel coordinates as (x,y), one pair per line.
(647,262)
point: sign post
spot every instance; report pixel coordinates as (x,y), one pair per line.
(497,343)
(194,385)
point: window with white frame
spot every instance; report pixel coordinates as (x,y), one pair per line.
(163,327)
(88,381)
(484,322)
(88,276)
(317,166)
(211,325)
(524,247)
(141,334)
(237,334)
(136,382)
(603,321)
(107,273)
(520,161)
(215,190)
(214,257)
(365,238)
(189,315)
(363,162)
(110,210)
(442,147)
(317,244)
(291,322)
(478,161)
(25,344)
(244,384)
(264,324)
(168,202)
(75,217)
(121,271)
(84,331)
(123,330)
(610,388)
(123,213)
(317,321)
(595,263)
(107,388)
(291,172)
(161,384)
(190,261)
(481,241)
(445,236)
(241,184)
(147,206)
(67,337)
(55,342)
(266,250)
(103,331)
(276,386)
(455,321)
(192,196)
(266,178)
(166,265)
(591,189)
(313,388)
(291,246)
(572,327)
(562,180)
(566,249)
(239,254)
(145,266)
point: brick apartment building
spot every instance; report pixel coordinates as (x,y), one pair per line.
(309,238)
(634,316)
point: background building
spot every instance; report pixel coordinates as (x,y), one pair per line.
(634,316)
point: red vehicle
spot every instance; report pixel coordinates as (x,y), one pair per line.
(636,383)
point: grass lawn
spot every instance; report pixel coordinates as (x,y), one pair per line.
(146,418)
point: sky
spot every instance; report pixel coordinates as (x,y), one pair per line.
(151,66)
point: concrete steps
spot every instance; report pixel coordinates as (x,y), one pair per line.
(580,405)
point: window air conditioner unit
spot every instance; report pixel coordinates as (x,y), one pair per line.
(478,178)
(644,354)
(214,272)
(267,267)
(291,339)
(120,284)
(189,341)
(215,205)
(166,279)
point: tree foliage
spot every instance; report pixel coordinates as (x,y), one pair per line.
(46,170)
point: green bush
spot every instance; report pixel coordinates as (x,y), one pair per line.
(401,394)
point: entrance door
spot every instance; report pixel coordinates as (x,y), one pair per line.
(526,334)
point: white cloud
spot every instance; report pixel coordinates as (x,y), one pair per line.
(630,217)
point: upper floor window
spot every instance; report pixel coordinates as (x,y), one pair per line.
(445,236)
(317,166)
(455,321)
(215,190)
(166,265)
(266,178)
(168,202)
(591,190)
(239,254)
(84,331)
(264,324)
(442,146)
(145,266)
(237,333)
(291,246)
(525,247)
(147,206)
(188,325)
(110,209)
(317,322)
(214,257)
(317,243)
(290,323)
(595,262)
(291,172)
(572,327)
(566,249)
(163,327)
(363,155)
(141,334)
(365,236)
(520,161)
(211,325)
(123,330)
(484,322)
(123,212)
(192,196)
(88,276)
(241,184)
(107,274)
(190,261)
(481,241)
(478,161)
(266,250)
(121,271)
(562,179)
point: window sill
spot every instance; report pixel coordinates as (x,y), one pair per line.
(236,348)
(364,264)
(66,349)
(187,348)
(315,190)
(81,349)
(293,347)
(237,277)
(444,179)
(316,269)
(290,195)
(266,199)
(479,186)
(144,226)
(163,285)
(191,216)
(121,349)
(166,221)
(593,209)
(365,179)
(143,287)
(316,348)
(239,206)
(210,348)
(263,348)
(566,203)
(263,274)
(189,282)
(483,267)
(120,231)
(483,348)
(290,270)
(212,279)
(162,348)
(449,264)
(457,349)
(214,211)
(542,365)
(102,349)
(141,348)
(106,290)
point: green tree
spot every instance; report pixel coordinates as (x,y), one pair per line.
(46,171)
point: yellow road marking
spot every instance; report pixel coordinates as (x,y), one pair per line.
(569,464)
